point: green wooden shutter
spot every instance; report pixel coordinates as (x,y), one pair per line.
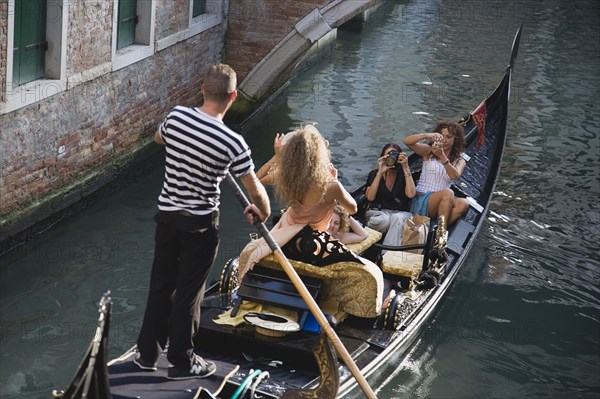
(127,21)
(29,61)
(199,7)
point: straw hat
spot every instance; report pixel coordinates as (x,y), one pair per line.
(272,325)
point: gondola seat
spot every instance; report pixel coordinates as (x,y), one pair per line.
(360,247)
(402,263)
(355,288)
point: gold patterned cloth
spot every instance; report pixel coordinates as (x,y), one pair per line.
(360,247)
(356,288)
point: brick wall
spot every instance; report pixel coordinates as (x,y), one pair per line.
(255,27)
(89,36)
(3,38)
(61,141)
(173,17)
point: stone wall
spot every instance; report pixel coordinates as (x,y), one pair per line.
(3,38)
(255,27)
(90,35)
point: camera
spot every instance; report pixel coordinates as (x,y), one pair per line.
(437,144)
(391,158)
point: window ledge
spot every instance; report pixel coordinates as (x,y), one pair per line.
(130,55)
(198,25)
(201,23)
(32,92)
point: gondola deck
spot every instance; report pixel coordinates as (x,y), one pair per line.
(128,381)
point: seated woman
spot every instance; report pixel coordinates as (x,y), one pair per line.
(389,189)
(442,164)
(306,184)
(345,228)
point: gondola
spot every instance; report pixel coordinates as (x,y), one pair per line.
(270,355)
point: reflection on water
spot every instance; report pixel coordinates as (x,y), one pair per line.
(523,316)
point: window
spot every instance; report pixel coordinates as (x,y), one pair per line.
(30,45)
(128,19)
(198,8)
(36,51)
(133,32)
(203,15)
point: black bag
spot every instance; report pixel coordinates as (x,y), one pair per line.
(317,248)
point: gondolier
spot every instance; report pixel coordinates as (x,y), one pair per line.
(200,151)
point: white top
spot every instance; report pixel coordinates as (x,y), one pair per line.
(433,176)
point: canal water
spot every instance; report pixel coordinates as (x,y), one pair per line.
(522,319)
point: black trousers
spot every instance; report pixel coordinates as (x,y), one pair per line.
(185,249)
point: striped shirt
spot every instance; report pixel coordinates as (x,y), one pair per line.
(433,176)
(200,150)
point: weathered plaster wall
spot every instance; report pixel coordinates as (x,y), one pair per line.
(173,17)
(55,142)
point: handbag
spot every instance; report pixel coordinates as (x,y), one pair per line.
(414,231)
(317,248)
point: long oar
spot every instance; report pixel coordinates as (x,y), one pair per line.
(299,284)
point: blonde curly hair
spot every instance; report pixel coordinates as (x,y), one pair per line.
(303,165)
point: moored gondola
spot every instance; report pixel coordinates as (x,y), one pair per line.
(272,347)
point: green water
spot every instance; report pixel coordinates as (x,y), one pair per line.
(522,319)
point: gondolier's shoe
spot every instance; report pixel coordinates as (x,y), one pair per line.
(144,365)
(200,369)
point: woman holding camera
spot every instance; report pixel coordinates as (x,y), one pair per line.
(389,190)
(442,164)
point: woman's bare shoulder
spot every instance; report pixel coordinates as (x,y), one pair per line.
(332,190)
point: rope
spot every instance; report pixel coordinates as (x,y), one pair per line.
(255,374)
(262,376)
(225,379)
(126,355)
(244,383)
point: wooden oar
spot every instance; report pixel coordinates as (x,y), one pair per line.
(303,291)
